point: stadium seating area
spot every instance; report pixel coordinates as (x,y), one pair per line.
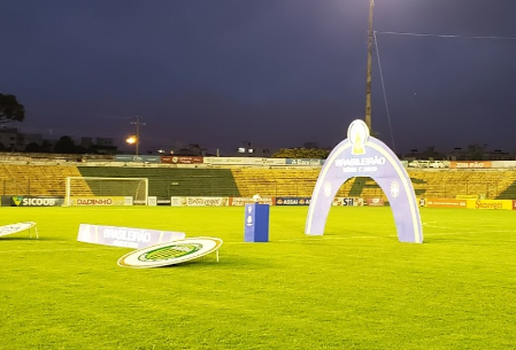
(164,182)
(35,180)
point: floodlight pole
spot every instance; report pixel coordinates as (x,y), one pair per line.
(137,123)
(369,66)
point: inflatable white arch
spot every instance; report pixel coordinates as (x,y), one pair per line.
(363,155)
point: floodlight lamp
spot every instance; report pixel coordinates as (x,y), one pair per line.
(131,140)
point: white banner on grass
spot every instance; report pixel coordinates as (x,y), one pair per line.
(129,237)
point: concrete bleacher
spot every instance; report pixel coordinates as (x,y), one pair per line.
(280,182)
(165,182)
(35,180)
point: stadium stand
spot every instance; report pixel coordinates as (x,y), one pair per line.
(35,180)
(280,182)
(165,182)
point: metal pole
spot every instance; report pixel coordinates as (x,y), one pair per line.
(369,66)
(137,135)
(137,123)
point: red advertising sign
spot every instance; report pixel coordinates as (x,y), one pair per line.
(375,202)
(181,160)
(445,203)
(470,165)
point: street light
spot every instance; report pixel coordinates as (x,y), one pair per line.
(369,66)
(136,138)
(133,140)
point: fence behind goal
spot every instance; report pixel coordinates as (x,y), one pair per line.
(111,190)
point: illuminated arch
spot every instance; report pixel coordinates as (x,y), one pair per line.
(365,156)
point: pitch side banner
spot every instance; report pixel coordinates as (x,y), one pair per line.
(493,204)
(134,158)
(28,201)
(347,202)
(375,202)
(199,201)
(242,201)
(293,201)
(304,162)
(244,160)
(181,160)
(470,165)
(126,237)
(361,155)
(445,203)
(97,201)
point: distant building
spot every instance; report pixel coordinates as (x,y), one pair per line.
(16,141)
(9,138)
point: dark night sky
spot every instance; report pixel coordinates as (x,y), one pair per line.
(277,73)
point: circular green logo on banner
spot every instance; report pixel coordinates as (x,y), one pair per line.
(170,252)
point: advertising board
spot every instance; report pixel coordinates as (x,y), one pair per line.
(18,227)
(445,203)
(134,158)
(33,201)
(171,253)
(199,201)
(470,165)
(181,160)
(375,202)
(467,196)
(242,201)
(243,160)
(304,162)
(129,237)
(293,201)
(492,204)
(97,201)
(348,202)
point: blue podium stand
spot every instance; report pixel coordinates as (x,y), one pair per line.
(256,227)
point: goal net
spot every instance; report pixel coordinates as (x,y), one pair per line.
(94,191)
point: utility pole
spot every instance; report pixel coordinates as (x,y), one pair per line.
(369,66)
(138,123)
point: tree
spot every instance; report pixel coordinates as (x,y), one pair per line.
(65,145)
(33,147)
(10,109)
(46,147)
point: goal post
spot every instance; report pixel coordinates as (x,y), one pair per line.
(90,191)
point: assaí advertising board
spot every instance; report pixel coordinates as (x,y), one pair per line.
(293,201)
(29,201)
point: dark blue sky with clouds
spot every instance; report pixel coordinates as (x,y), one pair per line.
(277,73)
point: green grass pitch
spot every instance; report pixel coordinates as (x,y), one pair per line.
(356,287)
